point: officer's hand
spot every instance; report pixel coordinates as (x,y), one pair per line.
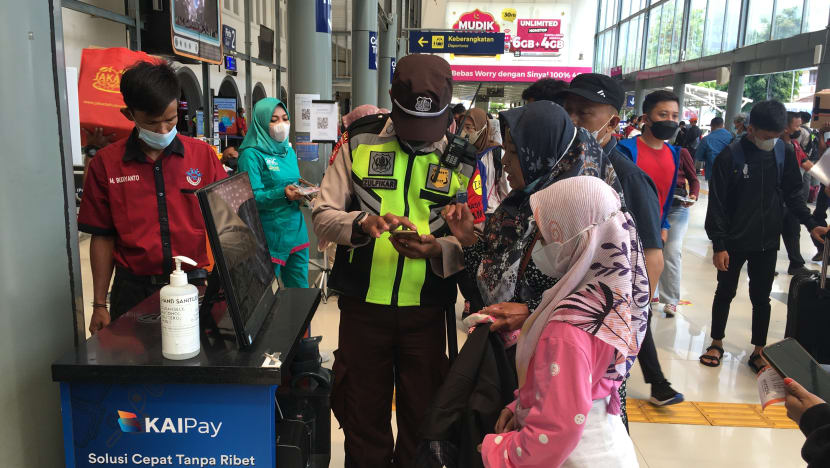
(461,222)
(807,165)
(100,319)
(509,316)
(721,260)
(818,233)
(374,226)
(425,247)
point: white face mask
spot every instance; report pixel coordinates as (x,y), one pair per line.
(595,134)
(826,136)
(765,145)
(549,259)
(279,131)
(472,137)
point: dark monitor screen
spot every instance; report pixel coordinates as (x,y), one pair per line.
(241,253)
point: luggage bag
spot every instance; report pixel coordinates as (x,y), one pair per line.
(808,311)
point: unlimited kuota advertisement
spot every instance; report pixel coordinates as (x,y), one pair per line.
(539,41)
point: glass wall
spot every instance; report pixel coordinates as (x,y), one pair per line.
(788,18)
(712,28)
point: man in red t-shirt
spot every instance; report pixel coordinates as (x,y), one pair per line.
(651,153)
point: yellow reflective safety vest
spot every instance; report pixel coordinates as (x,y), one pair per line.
(387,179)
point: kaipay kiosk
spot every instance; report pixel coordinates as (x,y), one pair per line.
(124,404)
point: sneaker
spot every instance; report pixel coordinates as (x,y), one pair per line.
(663,395)
(817,257)
(799,271)
(670,310)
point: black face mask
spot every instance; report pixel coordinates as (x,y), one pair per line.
(795,134)
(664,129)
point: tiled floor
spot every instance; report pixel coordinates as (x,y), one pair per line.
(680,341)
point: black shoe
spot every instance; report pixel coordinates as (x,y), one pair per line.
(817,257)
(663,395)
(799,271)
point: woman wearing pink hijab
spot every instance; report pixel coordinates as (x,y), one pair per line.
(580,342)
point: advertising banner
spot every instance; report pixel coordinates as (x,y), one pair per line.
(542,39)
(173,425)
(373,50)
(514,73)
(226,112)
(323,13)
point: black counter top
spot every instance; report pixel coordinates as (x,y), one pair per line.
(129,349)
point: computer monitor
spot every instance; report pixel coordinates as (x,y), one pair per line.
(240,252)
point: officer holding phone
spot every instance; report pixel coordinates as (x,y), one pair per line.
(394,287)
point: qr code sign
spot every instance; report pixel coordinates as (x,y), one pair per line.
(322,123)
(306,114)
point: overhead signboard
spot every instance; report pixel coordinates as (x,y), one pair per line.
(460,43)
(541,39)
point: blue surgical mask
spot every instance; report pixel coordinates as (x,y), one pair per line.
(156,140)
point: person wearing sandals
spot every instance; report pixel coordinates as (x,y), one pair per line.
(744,221)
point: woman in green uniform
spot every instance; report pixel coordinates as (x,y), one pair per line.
(272,167)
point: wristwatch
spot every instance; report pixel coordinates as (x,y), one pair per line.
(358,219)
(90,150)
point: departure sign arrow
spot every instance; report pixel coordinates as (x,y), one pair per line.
(422,41)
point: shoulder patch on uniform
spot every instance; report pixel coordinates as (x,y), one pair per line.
(442,183)
(380,183)
(344,138)
(381,163)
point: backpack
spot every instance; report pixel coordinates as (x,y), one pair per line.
(739,159)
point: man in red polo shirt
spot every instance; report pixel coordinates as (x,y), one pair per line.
(139,203)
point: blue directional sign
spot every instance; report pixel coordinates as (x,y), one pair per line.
(456,42)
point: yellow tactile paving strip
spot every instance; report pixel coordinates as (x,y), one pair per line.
(710,414)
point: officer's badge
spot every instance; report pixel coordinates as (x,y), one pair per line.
(423,104)
(442,182)
(381,163)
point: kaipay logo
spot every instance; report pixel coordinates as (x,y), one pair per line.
(129,423)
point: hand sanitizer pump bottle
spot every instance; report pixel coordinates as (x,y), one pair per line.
(179,315)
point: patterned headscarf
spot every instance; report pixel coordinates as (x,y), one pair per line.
(605,291)
(549,148)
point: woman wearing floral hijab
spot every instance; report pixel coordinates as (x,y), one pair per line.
(580,342)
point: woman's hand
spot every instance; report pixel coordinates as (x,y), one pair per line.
(798,400)
(507,422)
(461,222)
(508,316)
(292,193)
(688,204)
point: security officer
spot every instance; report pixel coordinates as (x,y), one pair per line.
(393,289)
(139,200)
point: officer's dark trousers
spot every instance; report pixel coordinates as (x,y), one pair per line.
(382,348)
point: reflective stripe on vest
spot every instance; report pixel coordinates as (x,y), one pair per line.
(387,180)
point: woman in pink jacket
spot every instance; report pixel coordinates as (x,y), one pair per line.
(579,344)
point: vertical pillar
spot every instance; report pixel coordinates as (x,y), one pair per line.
(41,287)
(207,101)
(306,76)
(364,32)
(248,71)
(679,88)
(388,52)
(823,78)
(735,94)
(639,97)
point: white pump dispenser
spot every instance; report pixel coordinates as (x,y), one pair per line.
(179,315)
